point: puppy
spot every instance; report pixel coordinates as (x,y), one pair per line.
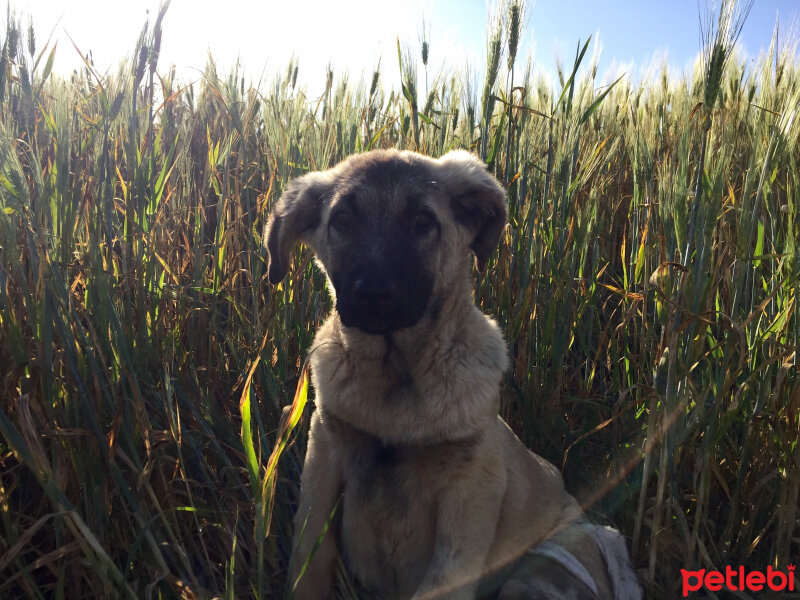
(410,474)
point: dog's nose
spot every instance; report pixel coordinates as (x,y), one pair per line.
(372,291)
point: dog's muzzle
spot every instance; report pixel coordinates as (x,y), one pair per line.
(377,304)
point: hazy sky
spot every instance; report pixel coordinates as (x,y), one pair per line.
(355,34)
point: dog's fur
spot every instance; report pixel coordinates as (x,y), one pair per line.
(427,492)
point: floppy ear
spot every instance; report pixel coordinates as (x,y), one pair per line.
(295,215)
(478,201)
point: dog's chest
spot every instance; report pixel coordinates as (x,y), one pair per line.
(389,509)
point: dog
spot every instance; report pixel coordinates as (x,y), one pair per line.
(410,475)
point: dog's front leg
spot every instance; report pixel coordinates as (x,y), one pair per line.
(466,522)
(320,488)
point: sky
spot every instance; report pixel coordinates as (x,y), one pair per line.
(353,35)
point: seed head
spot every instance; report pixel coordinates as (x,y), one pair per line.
(514,29)
(375,78)
(718,35)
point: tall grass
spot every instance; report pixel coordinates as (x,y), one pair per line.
(648,292)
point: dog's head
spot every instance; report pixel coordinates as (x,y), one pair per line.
(392,230)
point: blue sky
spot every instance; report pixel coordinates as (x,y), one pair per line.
(629,32)
(355,34)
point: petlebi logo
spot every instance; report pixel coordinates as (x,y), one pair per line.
(737,579)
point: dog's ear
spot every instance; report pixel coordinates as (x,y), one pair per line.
(478,201)
(296,214)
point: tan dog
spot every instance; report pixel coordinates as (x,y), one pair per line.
(427,492)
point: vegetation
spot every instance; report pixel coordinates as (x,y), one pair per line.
(647,285)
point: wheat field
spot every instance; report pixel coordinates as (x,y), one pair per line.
(647,285)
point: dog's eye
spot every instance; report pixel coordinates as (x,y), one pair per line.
(341,222)
(422,223)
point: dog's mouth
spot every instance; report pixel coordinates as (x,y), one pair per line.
(372,326)
(375,320)
(380,314)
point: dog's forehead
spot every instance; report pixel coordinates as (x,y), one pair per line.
(386,181)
